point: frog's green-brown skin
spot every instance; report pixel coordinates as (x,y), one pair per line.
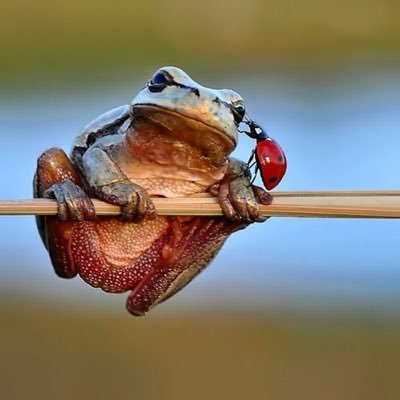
(173,140)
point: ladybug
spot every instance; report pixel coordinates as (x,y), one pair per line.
(270,158)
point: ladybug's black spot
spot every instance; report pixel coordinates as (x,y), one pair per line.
(280,159)
(273,180)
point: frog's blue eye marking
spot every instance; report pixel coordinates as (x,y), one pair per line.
(161,78)
(159,81)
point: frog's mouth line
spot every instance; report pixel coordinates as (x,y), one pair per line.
(150,111)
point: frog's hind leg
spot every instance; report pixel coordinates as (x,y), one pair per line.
(56,177)
(53,166)
(192,243)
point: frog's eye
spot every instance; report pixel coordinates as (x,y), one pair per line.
(238,111)
(159,81)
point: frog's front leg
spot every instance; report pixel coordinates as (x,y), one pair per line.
(239,199)
(110,184)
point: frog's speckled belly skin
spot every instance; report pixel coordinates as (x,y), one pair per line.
(153,258)
(149,257)
(115,255)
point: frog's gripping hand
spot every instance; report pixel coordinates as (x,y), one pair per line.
(110,184)
(238,198)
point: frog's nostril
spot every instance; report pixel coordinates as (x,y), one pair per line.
(195,91)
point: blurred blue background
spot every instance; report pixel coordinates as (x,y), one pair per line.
(292,308)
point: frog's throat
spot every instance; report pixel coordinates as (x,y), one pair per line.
(175,121)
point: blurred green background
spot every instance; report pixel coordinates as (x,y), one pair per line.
(87,40)
(312,311)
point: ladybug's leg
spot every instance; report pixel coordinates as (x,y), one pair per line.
(250,164)
(251,161)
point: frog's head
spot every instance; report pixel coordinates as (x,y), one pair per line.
(207,118)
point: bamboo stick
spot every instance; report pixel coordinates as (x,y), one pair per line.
(328,204)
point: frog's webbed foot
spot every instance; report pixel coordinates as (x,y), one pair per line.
(239,199)
(73,203)
(134,201)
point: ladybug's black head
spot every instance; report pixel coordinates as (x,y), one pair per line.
(256,132)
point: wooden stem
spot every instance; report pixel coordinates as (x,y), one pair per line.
(338,204)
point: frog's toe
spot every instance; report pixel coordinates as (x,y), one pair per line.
(134,201)
(226,204)
(73,203)
(253,209)
(262,196)
(245,202)
(138,207)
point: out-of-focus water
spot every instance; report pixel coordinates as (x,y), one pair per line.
(339,129)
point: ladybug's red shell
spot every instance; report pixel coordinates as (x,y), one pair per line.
(271,161)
